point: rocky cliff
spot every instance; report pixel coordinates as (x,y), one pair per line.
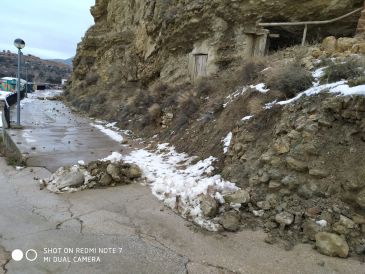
(135,43)
(183,71)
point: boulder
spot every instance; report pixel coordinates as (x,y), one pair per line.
(230,221)
(329,44)
(360,199)
(105,179)
(209,206)
(281,146)
(295,164)
(239,197)
(345,43)
(331,245)
(308,190)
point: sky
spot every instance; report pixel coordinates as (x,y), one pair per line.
(51,29)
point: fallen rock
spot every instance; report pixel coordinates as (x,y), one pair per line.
(133,172)
(114,172)
(239,197)
(318,173)
(209,206)
(284,218)
(230,221)
(105,179)
(345,43)
(344,225)
(311,228)
(295,164)
(331,245)
(65,177)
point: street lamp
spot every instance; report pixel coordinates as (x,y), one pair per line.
(26,78)
(19,44)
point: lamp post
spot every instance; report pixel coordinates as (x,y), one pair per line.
(19,44)
(26,79)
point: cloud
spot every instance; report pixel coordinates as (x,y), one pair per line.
(51,29)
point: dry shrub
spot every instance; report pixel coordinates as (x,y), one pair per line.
(350,69)
(289,79)
(204,87)
(154,112)
(250,70)
(255,105)
(160,90)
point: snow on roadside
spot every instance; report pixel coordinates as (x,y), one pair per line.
(179,184)
(175,180)
(227,142)
(109,132)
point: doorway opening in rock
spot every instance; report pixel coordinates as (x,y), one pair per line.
(200,65)
(286,37)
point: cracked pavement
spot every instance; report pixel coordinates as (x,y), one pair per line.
(154,239)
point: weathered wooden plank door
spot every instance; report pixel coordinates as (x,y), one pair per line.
(201,61)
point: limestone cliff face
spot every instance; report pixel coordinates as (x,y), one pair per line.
(137,42)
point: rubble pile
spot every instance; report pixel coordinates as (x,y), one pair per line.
(95,174)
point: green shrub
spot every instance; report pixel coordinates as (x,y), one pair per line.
(348,70)
(290,79)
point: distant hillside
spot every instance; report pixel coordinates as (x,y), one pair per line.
(64,61)
(38,70)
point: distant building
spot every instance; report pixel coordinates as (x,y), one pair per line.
(9,84)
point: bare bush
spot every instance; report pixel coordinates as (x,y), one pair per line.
(250,70)
(348,70)
(290,79)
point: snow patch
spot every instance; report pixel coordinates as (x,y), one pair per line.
(230,98)
(246,118)
(109,132)
(340,87)
(322,223)
(227,142)
(260,87)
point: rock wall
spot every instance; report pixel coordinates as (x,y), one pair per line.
(137,42)
(305,161)
(360,31)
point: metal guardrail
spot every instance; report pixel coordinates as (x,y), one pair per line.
(306,23)
(9,101)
